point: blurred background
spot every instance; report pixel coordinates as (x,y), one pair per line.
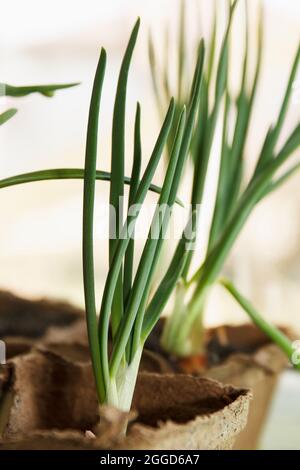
(40,236)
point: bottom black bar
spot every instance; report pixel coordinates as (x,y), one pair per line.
(133,459)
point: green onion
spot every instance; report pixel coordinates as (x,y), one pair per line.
(235,198)
(130,305)
(117,172)
(88,223)
(124,307)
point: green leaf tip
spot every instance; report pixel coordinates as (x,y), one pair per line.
(45,90)
(6,115)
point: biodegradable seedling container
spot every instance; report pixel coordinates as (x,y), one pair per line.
(49,401)
(242,356)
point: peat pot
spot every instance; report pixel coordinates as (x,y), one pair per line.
(238,355)
(48,398)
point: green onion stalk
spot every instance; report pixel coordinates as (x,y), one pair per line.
(236,197)
(127,317)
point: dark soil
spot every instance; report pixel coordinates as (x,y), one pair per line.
(31,319)
(220,343)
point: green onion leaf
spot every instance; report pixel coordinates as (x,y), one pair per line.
(271,331)
(8,114)
(117,171)
(88,225)
(45,90)
(135,177)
